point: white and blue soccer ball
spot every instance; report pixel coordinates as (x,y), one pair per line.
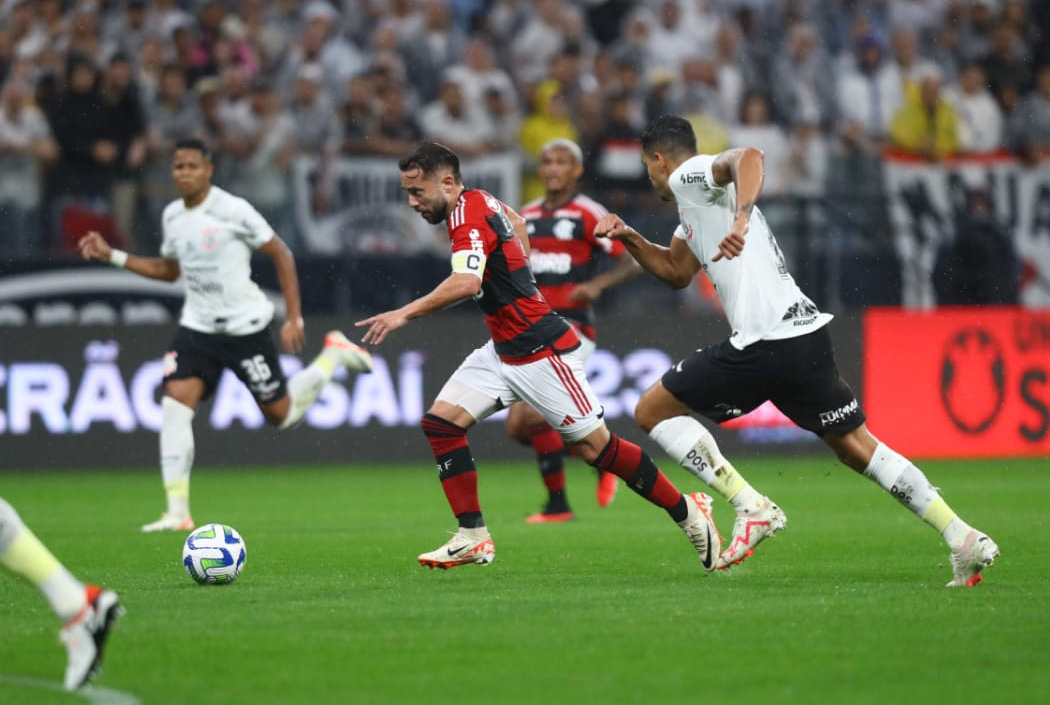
(214,554)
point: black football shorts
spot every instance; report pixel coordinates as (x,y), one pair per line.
(797,374)
(253,358)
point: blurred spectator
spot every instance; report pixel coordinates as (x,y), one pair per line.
(478,73)
(926,125)
(129,29)
(549,119)
(124,124)
(25,146)
(439,43)
(84,37)
(1033,119)
(320,43)
(906,62)
(357,115)
(454,121)
(757,129)
(318,133)
(868,96)
(921,16)
(504,121)
(538,41)
(1008,61)
(172,116)
(394,130)
(980,264)
(88,153)
(808,159)
(671,40)
(980,119)
(148,70)
(262,143)
(733,70)
(614,159)
(803,88)
(976,41)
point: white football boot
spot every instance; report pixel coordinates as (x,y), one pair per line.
(461,549)
(170,522)
(349,354)
(749,530)
(700,527)
(85,635)
(977,552)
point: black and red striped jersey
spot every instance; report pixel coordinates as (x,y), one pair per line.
(566,253)
(522,324)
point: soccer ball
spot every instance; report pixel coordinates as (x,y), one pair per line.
(214,554)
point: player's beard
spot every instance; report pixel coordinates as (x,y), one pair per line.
(437,213)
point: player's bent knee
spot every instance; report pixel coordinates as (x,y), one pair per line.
(656,405)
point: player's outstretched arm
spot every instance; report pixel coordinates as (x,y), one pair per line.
(675,265)
(455,288)
(744,167)
(293,332)
(94,246)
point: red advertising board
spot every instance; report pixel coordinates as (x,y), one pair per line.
(959,382)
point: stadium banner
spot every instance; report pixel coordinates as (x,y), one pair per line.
(926,200)
(959,382)
(367,212)
(73,396)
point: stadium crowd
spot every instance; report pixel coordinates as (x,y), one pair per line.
(96,92)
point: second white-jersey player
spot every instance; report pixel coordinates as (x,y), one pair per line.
(213,243)
(209,238)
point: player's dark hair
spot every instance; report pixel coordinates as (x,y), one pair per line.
(194,143)
(669,134)
(429,157)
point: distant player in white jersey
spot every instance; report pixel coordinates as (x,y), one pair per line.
(779,348)
(86,611)
(209,237)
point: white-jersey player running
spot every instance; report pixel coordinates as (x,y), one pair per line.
(779,348)
(209,237)
(87,611)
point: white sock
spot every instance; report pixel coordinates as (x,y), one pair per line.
(897,475)
(22,553)
(693,447)
(305,386)
(176,454)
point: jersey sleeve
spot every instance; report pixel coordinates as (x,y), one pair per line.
(679,232)
(472,241)
(167,244)
(254,230)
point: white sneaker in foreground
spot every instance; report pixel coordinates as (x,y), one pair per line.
(701,529)
(461,549)
(749,530)
(85,635)
(350,355)
(977,553)
(170,522)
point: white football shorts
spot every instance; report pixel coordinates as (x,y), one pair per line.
(555,386)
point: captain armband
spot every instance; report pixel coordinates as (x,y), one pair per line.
(468,262)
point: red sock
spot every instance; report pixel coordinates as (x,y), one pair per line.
(459,478)
(550,454)
(638,470)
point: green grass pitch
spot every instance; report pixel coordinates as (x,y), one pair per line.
(848,605)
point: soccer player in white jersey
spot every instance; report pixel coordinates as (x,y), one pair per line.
(86,611)
(779,348)
(209,237)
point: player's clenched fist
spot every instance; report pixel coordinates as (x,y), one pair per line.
(612,226)
(93,246)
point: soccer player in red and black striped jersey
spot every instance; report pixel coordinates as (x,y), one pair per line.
(532,356)
(566,259)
